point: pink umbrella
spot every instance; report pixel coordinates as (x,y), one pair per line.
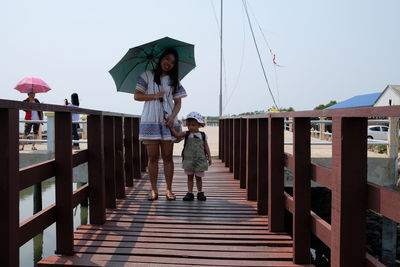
(31,84)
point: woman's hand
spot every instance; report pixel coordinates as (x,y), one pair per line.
(159,95)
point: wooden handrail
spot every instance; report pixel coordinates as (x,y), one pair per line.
(347,182)
(14,180)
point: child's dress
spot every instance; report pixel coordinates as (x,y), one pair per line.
(194,155)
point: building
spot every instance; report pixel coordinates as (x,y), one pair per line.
(388,97)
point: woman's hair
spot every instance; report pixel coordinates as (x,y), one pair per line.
(75,99)
(173,73)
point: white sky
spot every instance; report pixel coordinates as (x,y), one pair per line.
(331,50)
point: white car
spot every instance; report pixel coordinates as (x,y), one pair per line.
(379,132)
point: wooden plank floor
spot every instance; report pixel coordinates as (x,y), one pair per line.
(225,230)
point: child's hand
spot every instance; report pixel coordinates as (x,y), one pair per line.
(209,161)
(169,121)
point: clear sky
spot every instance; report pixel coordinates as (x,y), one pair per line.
(330,50)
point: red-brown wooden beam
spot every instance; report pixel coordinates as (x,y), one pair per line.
(236,148)
(384,201)
(222,139)
(119,158)
(128,148)
(143,157)
(9,187)
(64,190)
(109,161)
(96,170)
(226,142)
(30,227)
(262,166)
(231,151)
(349,194)
(251,159)
(301,191)
(243,151)
(231,143)
(276,203)
(136,149)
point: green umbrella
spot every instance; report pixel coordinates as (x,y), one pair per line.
(145,57)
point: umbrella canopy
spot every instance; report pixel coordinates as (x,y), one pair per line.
(31,84)
(145,57)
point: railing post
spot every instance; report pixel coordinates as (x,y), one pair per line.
(262,166)
(231,151)
(222,139)
(143,157)
(109,161)
(128,151)
(97,207)
(251,159)
(236,148)
(301,191)
(276,203)
(349,194)
(243,151)
(226,142)
(64,191)
(136,150)
(119,158)
(9,188)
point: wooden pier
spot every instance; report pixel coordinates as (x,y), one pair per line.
(241,224)
(225,230)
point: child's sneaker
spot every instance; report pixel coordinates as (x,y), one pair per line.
(189,197)
(201,196)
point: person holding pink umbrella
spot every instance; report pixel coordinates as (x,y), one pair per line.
(32,115)
(31,86)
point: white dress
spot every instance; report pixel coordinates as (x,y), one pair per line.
(152,123)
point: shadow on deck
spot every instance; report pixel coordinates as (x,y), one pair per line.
(225,230)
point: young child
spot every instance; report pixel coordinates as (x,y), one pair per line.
(196,155)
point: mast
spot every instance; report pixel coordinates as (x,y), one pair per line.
(220,67)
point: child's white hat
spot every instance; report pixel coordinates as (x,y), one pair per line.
(197,116)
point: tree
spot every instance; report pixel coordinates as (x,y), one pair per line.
(322,106)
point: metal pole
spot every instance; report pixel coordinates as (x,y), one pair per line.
(220,67)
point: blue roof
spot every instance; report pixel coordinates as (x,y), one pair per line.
(367,100)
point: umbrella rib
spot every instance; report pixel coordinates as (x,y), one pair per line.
(123,80)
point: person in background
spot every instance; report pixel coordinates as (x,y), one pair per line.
(75,117)
(34,116)
(196,155)
(66,102)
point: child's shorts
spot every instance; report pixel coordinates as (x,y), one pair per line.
(198,174)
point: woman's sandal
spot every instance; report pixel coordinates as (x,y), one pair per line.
(152,196)
(170,196)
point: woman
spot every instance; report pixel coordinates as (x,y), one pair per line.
(75,117)
(162,93)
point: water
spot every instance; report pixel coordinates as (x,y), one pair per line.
(43,245)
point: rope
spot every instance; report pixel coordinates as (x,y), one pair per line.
(258,53)
(270,51)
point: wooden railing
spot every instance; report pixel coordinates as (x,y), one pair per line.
(253,148)
(114,156)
